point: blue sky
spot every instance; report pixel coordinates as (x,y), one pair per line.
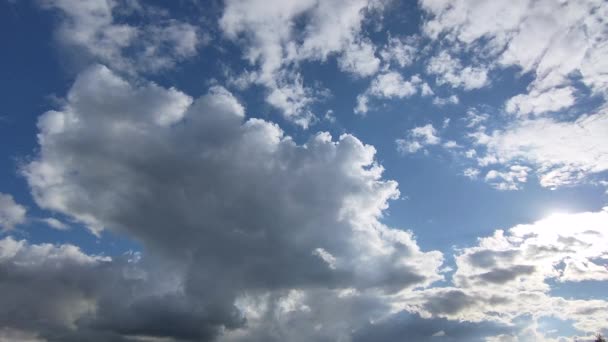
(303,170)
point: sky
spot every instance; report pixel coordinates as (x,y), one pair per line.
(303,170)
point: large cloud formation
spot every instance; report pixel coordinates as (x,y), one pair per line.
(250,236)
(234,208)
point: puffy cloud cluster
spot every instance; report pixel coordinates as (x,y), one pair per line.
(97,30)
(418,138)
(507,180)
(278,35)
(552,39)
(251,224)
(451,71)
(390,85)
(11,213)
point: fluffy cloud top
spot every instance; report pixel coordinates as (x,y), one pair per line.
(244,211)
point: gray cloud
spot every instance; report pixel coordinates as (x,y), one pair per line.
(228,209)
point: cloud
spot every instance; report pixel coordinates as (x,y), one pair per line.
(400,51)
(506,276)
(509,179)
(418,138)
(274,44)
(11,213)
(55,223)
(565,153)
(538,103)
(359,58)
(442,101)
(450,71)
(98,30)
(386,86)
(59,293)
(238,210)
(471,173)
(553,40)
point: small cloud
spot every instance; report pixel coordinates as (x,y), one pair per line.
(442,101)
(440,333)
(55,223)
(418,138)
(471,173)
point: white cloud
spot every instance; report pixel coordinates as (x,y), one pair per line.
(93,30)
(55,223)
(450,144)
(401,51)
(471,173)
(474,118)
(450,71)
(417,139)
(442,101)
(359,59)
(537,103)
(509,179)
(565,153)
(270,40)
(11,213)
(386,86)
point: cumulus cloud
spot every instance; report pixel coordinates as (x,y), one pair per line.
(98,30)
(418,138)
(11,213)
(59,293)
(241,212)
(565,153)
